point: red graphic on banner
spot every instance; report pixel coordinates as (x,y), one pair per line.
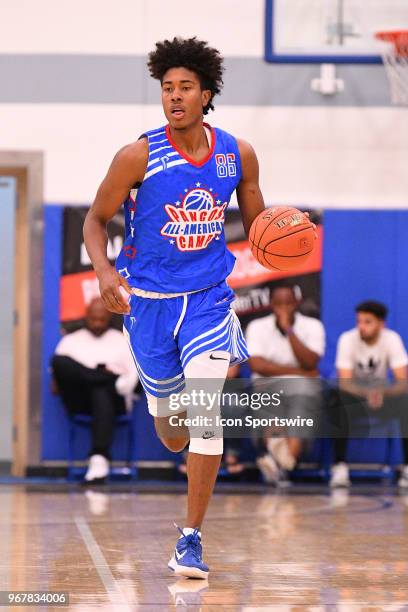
(77,291)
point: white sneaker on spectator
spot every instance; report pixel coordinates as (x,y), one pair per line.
(98,469)
(339,497)
(268,468)
(403,479)
(340,475)
(279,449)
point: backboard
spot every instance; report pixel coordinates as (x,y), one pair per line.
(330,31)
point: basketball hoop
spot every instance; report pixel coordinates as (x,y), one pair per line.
(395,58)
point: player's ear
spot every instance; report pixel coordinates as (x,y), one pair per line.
(206,97)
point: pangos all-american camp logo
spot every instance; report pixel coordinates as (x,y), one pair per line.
(195,219)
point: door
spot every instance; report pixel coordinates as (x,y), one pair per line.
(8,195)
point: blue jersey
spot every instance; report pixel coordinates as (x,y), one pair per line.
(175,238)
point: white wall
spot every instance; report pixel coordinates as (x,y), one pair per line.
(314,155)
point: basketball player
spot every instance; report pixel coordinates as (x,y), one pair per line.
(176,182)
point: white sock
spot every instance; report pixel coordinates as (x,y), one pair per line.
(188,531)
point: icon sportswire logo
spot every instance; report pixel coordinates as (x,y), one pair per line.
(195,220)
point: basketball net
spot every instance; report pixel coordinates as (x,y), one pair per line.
(395,58)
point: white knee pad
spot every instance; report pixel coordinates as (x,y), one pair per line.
(205,376)
(212,365)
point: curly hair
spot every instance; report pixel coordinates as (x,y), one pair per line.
(193,54)
(377,309)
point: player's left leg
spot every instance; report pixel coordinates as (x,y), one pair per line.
(209,339)
(205,378)
(205,374)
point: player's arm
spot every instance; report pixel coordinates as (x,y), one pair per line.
(127,168)
(347,383)
(400,373)
(399,368)
(265,367)
(400,383)
(250,200)
(307,358)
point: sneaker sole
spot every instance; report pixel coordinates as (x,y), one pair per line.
(187,572)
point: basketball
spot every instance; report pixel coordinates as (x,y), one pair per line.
(281,238)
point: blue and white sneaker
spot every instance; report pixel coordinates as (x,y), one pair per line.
(187,559)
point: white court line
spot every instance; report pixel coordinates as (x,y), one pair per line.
(116,597)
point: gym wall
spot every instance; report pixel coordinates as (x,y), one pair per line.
(75,85)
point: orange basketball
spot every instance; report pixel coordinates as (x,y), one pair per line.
(281,238)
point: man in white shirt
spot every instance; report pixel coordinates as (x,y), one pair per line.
(364,357)
(286,347)
(95,374)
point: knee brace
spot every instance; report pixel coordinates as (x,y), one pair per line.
(205,376)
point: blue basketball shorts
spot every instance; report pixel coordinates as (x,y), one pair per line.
(164,334)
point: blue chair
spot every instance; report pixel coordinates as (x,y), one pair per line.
(382,448)
(85,421)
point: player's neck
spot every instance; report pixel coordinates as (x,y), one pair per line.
(192,140)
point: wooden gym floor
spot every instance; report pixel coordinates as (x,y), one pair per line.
(298,549)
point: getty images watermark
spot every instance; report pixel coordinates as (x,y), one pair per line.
(198,402)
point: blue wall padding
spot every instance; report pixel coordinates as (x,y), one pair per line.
(364,257)
(148,446)
(365,254)
(54,424)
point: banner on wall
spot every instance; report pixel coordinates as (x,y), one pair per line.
(251,282)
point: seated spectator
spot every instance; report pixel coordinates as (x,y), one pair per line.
(365,354)
(95,374)
(286,347)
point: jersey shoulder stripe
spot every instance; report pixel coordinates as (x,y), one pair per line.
(162,154)
(158,169)
(152,134)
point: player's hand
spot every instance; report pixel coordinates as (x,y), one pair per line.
(110,283)
(283,318)
(311,373)
(375,398)
(313,224)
